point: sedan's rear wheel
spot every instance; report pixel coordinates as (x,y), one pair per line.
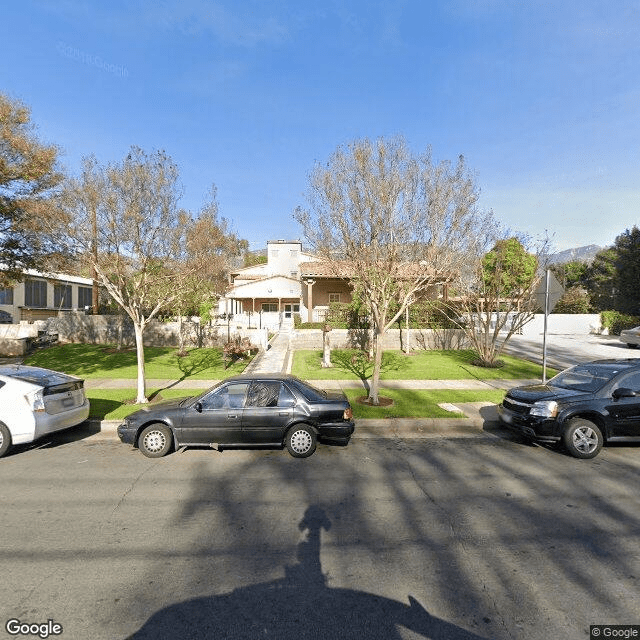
(5,439)
(582,438)
(300,441)
(155,441)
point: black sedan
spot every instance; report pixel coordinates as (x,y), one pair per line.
(244,411)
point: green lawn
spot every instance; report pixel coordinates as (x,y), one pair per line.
(99,361)
(162,363)
(419,403)
(115,404)
(422,365)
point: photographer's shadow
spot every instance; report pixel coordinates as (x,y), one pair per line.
(300,605)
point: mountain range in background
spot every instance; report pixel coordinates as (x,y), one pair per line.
(579,254)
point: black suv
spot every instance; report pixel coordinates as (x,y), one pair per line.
(582,407)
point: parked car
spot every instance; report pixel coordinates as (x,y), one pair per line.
(582,407)
(244,411)
(631,337)
(35,402)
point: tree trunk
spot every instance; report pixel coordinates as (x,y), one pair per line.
(141,398)
(181,350)
(326,350)
(377,365)
(120,330)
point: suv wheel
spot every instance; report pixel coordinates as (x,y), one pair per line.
(582,438)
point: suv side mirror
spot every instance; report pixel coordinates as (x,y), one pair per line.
(624,392)
(198,407)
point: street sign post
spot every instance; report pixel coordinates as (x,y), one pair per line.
(547,294)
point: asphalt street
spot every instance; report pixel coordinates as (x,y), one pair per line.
(439,537)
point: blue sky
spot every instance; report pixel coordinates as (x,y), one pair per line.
(541,97)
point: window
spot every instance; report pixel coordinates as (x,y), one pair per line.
(264,394)
(230,396)
(275,253)
(85,297)
(631,381)
(35,293)
(270,394)
(62,296)
(6,295)
(269,306)
(294,274)
(334,297)
(294,253)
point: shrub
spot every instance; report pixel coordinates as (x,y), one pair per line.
(617,322)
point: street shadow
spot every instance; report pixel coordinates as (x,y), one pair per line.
(82,431)
(300,605)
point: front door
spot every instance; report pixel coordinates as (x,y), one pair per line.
(217,418)
(625,412)
(290,309)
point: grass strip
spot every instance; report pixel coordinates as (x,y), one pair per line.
(115,404)
(419,403)
(351,364)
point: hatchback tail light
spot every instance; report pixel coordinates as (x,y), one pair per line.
(348,414)
(35,400)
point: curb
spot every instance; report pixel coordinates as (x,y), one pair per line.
(481,418)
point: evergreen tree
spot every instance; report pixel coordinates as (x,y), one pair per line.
(599,280)
(627,274)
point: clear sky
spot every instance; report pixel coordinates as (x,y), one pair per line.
(542,97)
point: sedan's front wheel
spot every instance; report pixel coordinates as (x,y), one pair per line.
(300,441)
(582,438)
(155,441)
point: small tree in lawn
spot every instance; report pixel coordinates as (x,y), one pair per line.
(391,222)
(129,212)
(495,298)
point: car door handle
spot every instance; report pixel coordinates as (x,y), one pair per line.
(284,413)
(232,416)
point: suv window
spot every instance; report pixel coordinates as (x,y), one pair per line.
(629,381)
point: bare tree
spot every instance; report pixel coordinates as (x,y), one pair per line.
(393,223)
(129,212)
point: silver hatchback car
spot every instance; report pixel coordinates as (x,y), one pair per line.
(36,401)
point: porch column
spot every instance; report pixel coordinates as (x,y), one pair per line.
(310,284)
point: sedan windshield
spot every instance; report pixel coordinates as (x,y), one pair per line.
(588,378)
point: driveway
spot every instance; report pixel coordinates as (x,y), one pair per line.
(566,350)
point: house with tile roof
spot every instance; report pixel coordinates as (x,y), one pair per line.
(292,282)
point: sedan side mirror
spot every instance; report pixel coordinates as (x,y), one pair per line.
(198,407)
(624,392)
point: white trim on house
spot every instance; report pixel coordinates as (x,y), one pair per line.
(21,310)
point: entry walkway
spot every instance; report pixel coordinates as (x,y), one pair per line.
(275,358)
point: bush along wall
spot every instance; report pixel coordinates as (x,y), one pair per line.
(616,322)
